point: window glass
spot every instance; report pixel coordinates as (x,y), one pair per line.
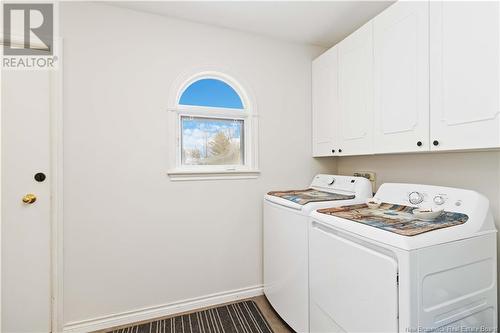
(212,141)
(211,93)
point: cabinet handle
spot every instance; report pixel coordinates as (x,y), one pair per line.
(333,151)
(419,143)
(435,142)
(340,150)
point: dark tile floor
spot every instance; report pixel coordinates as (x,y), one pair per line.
(277,324)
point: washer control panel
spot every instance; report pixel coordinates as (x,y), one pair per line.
(342,184)
(333,182)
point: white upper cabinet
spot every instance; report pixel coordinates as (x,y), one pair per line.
(464,75)
(356,92)
(421,76)
(401,78)
(324,103)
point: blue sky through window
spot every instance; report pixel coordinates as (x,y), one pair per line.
(211,93)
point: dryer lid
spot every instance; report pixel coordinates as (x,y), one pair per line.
(457,203)
(398,219)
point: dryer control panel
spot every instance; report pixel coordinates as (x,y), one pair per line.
(433,197)
(439,199)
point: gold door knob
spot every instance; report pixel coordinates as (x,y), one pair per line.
(29,198)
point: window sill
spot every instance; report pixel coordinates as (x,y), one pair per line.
(186,175)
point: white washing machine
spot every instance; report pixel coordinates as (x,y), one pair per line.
(388,270)
(286,218)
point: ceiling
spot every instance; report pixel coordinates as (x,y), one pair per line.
(322,23)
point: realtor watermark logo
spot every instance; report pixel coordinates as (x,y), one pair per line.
(28,36)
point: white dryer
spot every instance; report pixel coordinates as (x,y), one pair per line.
(387,269)
(286,217)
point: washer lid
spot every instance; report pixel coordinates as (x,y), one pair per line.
(324,188)
(302,197)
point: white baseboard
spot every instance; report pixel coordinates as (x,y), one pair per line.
(128,317)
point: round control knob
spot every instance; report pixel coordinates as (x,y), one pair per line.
(438,200)
(415,198)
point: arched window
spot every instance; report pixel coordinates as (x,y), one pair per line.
(212,93)
(215,128)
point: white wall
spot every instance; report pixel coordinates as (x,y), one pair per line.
(133,238)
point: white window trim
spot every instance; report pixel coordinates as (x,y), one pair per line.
(249,170)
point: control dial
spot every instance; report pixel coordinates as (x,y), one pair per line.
(439,200)
(415,198)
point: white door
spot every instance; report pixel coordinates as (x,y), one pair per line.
(464,73)
(352,288)
(356,92)
(401,78)
(325,107)
(26,229)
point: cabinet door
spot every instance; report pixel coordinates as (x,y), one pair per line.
(464,72)
(401,78)
(356,92)
(324,102)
